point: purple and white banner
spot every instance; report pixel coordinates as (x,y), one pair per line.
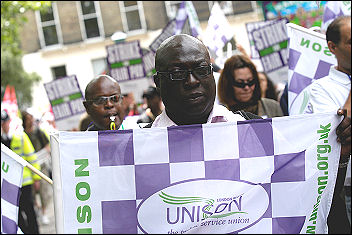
(309,59)
(334,9)
(187,11)
(125,61)
(255,176)
(11,183)
(218,31)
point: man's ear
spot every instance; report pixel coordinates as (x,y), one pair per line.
(332,47)
(86,106)
(156,80)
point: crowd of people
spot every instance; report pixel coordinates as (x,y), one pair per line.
(185,93)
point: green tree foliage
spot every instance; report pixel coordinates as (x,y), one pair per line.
(12,72)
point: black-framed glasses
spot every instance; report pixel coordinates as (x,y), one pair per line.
(179,75)
(243,84)
(102,100)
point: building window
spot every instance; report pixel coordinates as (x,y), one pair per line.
(235,7)
(241,7)
(172,8)
(49,26)
(90,20)
(100,66)
(59,71)
(133,19)
(226,6)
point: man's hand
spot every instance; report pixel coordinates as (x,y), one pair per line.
(343,132)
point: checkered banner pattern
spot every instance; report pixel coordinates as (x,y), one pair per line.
(187,11)
(309,60)
(334,9)
(257,176)
(218,31)
(11,183)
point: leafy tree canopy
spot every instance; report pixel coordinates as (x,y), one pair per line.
(12,73)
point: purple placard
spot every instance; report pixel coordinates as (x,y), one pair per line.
(168,31)
(270,41)
(65,97)
(250,26)
(125,61)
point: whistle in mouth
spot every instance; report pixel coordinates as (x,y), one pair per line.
(112,123)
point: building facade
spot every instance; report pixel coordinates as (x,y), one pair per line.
(71,37)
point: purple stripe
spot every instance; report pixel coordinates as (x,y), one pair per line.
(289,167)
(224,39)
(216,26)
(255,138)
(151,178)
(115,148)
(181,22)
(10,192)
(293,58)
(328,15)
(185,143)
(119,217)
(288,225)
(8,226)
(299,82)
(268,213)
(322,70)
(223,169)
(194,32)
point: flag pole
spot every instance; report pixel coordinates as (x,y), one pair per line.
(24,163)
(36,171)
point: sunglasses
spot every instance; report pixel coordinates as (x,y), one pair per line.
(102,100)
(179,75)
(243,84)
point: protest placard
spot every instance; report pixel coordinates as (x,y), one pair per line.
(149,63)
(125,61)
(255,176)
(309,59)
(271,43)
(66,99)
(167,31)
(250,26)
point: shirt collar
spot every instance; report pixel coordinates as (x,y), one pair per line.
(339,76)
(218,114)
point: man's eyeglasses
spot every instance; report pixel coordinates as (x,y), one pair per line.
(199,72)
(102,100)
(243,84)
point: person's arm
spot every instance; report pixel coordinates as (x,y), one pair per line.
(343,132)
(347,105)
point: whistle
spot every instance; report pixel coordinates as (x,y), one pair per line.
(112,123)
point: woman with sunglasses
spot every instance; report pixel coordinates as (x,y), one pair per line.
(239,89)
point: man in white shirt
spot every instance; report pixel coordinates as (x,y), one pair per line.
(187,86)
(331,93)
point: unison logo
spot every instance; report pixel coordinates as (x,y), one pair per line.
(203,206)
(209,209)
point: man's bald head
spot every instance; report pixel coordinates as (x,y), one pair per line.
(90,86)
(188,100)
(102,101)
(167,47)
